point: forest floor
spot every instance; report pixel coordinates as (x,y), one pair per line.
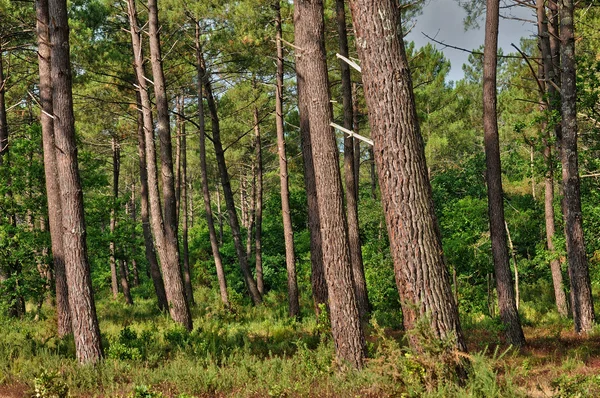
(260,352)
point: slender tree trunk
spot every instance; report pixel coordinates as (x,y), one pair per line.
(88,345)
(134,267)
(116,152)
(251,203)
(506,294)
(358,272)
(187,272)
(228,194)
(113,261)
(356,125)
(317,278)
(174,288)
(166,240)
(214,243)
(400,158)
(149,251)
(373,174)
(547,79)
(583,306)
(178,150)
(219,215)
(288,232)
(50,170)
(311,69)
(259,206)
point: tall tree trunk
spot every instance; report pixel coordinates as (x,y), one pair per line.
(133,210)
(317,278)
(88,345)
(116,153)
(149,250)
(400,158)
(214,243)
(504,287)
(50,170)
(358,272)
(356,125)
(259,206)
(187,272)
(583,306)
(174,288)
(116,159)
(166,241)
(228,193)
(311,69)
(288,232)
(547,79)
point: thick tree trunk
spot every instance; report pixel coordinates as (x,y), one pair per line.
(420,270)
(88,345)
(317,277)
(214,243)
(358,272)
(552,96)
(228,193)
(583,306)
(311,69)
(169,260)
(149,251)
(166,243)
(259,206)
(50,171)
(116,159)
(504,287)
(288,233)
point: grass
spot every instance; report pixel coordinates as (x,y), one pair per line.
(260,352)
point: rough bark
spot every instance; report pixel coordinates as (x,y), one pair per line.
(583,306)
(504,287)
(169,260)
(214,243)
(288,232)
(259,206)
(311,69)
(358,272)
(149,249)
(50,171)
(166,242)
(234,223)
(548,77)
(187,271)
(88,345)
(419,266)
(317,277)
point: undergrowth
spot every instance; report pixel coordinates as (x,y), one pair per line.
(252,351)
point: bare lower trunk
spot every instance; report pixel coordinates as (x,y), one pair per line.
(358,272)
(187,272)
(50,171)
(421,274)
(125,281)
(150,253)
(583,305)
(113,261)
(311,69)
(214,243)
(134,267)
(549,79)
(317,277)
(88,344)
(164,233)
(288,233)
(506,294)
(259,206)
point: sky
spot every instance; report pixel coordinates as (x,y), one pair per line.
(443,21)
